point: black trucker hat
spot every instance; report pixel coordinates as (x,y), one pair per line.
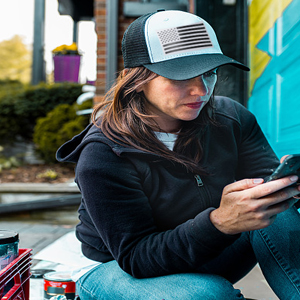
(173,44)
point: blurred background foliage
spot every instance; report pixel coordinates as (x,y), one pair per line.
(16,60)
(44,115)
(59,126)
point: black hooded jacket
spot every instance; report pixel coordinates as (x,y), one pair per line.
(150,214)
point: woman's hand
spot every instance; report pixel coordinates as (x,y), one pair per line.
(250,204)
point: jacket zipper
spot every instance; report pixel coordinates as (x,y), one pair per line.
(203,190)
(198,180)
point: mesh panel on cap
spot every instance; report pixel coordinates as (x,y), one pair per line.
(134,48)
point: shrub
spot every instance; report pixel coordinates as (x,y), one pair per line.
(38,100)
(20,110)
(10,87)
(60,125)
(9,123)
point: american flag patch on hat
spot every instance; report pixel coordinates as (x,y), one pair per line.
(183,38)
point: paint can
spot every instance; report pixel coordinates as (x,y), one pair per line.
(37,283)
(9,247)
(59,283)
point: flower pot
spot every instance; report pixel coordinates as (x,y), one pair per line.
(66,68)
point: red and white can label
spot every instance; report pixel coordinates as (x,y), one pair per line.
(59,283)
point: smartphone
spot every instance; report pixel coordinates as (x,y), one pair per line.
(290,166)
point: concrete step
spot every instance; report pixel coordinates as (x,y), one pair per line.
(38,188)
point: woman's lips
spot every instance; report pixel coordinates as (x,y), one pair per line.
(194,105)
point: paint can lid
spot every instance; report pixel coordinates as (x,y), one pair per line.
(39,273)
(58,276)
(8,237)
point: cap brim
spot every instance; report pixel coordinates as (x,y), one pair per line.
(188,67)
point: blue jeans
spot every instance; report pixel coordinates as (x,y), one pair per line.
(276,248)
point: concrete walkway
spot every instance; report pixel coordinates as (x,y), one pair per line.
(254,286)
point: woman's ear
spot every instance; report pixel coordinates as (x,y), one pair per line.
(139,86)
(140,89)
(124,72)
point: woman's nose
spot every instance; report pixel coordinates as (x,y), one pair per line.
(198,86)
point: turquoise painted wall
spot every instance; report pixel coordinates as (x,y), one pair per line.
(275,86)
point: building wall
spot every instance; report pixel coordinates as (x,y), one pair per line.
(274,42)
(100,19)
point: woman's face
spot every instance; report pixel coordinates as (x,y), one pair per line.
(173,101)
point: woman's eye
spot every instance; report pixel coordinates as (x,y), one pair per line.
(210,73)
(180,82)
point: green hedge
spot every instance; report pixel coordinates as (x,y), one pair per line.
(10,88)
(59,126)
(21,106)
(9,124)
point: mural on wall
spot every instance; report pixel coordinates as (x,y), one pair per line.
(274,41)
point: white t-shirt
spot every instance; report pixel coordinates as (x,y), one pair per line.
(168,139)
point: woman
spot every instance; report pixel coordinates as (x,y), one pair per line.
(173,200)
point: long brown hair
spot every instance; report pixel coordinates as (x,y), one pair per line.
(122,117)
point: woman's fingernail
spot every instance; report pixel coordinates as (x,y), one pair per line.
(258,180)
(294,178)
